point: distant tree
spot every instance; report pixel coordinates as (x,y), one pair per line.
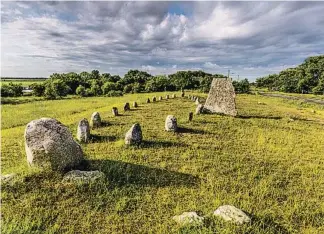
(136,76)
(242,86)
(38,89)
(81,91)
(56,89)
(109,86)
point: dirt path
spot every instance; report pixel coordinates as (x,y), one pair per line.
(317,101)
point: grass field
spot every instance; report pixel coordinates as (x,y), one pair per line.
(261,162)
(23,82)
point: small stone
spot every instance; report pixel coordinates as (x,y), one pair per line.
(83,132)
(189,96)
(167,96)
(95,120)
(154,99)
(182,94)
(7,178)
(188,218)
(171,123)
(174,95)
(160,98)
(190,116)
(313,111)
(148,100)
(50,145)
(134,135)
(114,111)
(83,177)
(231,213)
(199,109)
(126,106)
(197,101)
(261,103)
(135,104)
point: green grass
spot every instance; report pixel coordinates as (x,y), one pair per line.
(23,82)
(261,162)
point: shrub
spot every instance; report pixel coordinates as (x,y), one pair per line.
(81,91)
(56,88)
(114,93)
(38,89)
(108,86)
(12,90)
(128,88)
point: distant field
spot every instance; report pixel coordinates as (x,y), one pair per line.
(23,82)
(269,161)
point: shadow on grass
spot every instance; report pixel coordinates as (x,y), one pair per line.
(160,144)
(190,130)
(257,117)
(99,138)
(268,224)
(122,174)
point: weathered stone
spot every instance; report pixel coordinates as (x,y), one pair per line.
(134,135)
(83,177)
(199,109)
(171,123)
(160,98)
(50,145)
(188,218)
(231,213)
(154,99)
(193,98)
(221,97)
(95,120)
(197,101)
(148,100)
(135,104)
(190,116)
(7,178)
(114,111)
(83,132)
(174,95)
(126,106)
(167,96)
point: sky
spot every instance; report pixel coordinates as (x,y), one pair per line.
(251,39)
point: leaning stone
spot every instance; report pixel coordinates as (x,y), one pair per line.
(171,123)
(188,218)
(135,104)
(154,99)
(190,116)
(221,97)
(7,178)
(126,106)
(231,213)
(148,100)
(83,132)
(95,120)
(114,111)
(167,96)
(160,98)
(83,177)
(174,95)
(50,145)
(199,109)
(134,135)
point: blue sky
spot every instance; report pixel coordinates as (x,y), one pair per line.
(251,39)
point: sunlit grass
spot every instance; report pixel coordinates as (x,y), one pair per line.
(261,161)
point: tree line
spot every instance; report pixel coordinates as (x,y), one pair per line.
(308,77)
(87,84)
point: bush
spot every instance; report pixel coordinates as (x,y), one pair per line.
(242,86)
(114,93)
(12,90)
(38,89)
(95,88)
(81,91)
(128,88)
(56,88)
(108,86)
(6,91)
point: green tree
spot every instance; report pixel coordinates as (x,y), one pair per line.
(81,91)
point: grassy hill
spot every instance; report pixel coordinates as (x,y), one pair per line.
(269,162)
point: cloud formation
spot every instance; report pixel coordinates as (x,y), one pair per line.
(249,38)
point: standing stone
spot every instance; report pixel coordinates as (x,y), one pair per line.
(50,145)
(126,106)
(182,93)
(197,101)
(231,213)
(221,97)
(114,111)
(190,116)
(134,135)
(148,100)
(83,132)
(167,96)
(95,120)
(154,99)
(160,98)
(171,123)
(174,95)
(199,109)
(135,104)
